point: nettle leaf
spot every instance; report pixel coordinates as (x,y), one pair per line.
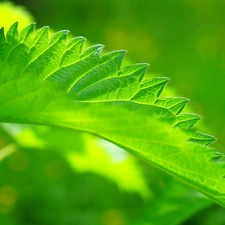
(52,81)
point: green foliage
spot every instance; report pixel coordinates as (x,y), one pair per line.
(54,82)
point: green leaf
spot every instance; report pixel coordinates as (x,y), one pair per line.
(174,104)
(12,35)
(186,120)
(202,138)
(173,204)
(41,84)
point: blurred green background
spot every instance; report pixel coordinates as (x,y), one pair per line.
(181,39)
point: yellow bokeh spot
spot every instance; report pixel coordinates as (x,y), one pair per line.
(19,161)
(113,217)
(8,196)
(10,13)
(55,170)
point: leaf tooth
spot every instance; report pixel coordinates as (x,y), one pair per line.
(116,57)
(111,88)
(74,41)
(178,108)
(2,35)
(203,139)
(217,157)
(26,33)
(93,50)
(150,90)
(12,35)
(72,54)
(42,35)
(40,43)
(154,82)
(138,70)
(221,160)
(171,101)
(186,120)
(5,47)
(105,67)
(174,104)
(59,36)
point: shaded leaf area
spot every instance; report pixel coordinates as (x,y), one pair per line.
(42,176)
(84,153)
(212,215)
(30,139)
(173,203)
(57,83)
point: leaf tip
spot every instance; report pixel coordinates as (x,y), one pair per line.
(186,120)
(203,139)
